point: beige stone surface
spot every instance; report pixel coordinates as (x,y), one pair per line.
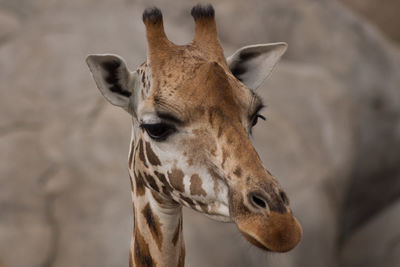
(333,120)
(383,14)
(377,243)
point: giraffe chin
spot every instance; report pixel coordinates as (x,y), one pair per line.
(254,241)
(219,218)
(276,233)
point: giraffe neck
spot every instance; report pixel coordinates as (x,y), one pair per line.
(157,238)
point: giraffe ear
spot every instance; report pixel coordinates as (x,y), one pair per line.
(112,77)
(252,64)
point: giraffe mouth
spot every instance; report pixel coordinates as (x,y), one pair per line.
(255,242)
(279,233)
(218,217)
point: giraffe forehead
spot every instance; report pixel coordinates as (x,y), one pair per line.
(199,90)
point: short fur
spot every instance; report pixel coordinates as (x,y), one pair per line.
(207,161)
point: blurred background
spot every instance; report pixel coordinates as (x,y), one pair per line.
(332,137)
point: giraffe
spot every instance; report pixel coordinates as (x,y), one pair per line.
(192,113)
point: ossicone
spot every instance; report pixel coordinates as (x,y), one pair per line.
(152,15)
(203,12)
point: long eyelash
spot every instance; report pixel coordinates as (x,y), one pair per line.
(262,117)
(260,106)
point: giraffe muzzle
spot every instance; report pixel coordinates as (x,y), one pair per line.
(277,233)
(265,219)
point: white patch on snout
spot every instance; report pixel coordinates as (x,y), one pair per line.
(170,154)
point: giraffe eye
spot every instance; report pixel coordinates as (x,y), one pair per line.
(158,131)
(255,119)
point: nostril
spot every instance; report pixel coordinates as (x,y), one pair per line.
(258,202)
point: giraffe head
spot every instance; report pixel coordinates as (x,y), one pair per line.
(193,111)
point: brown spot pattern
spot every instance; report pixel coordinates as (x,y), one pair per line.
(203,207)
(196,186)
(181,262)
(131,154)
(176,179)
(248,179)
(142,251)
(166,187)
(157,197)
(177,232)
(141,153)
(151,182)
(189,201)
(237,172)
(151,156)
(140,190)
(153,222)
